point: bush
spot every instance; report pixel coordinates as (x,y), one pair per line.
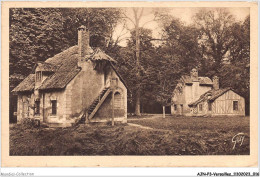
(27,123)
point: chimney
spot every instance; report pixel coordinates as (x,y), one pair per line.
(194,75)
(215,83)
(83,42)
(195,84)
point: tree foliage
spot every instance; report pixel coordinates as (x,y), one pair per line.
(236,73)
(39,33)
(127,63)
(215,27)
(35,35)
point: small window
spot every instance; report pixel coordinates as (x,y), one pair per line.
(53,107)
(37,107)
(235,105)
(210,106)
(175,107)
(200,107)
(38,76)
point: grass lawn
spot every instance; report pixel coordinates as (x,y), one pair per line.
(170,136)
(211,135)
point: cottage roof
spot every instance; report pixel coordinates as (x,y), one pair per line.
(99,55)
(123,81)
(202,80)
(67,69)
(64,67)
(210,95)
(26,85)
(46,67)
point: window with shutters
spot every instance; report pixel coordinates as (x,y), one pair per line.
(118,101)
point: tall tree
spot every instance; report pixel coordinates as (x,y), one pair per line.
(101,23)
(235,72)
(137,18)
(127,63)
(180,43)
(35,35)
(163,74)
(215,36)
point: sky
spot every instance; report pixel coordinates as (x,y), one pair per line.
(185,14)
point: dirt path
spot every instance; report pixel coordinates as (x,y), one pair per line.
(151,116)
(147,128)
(140,126)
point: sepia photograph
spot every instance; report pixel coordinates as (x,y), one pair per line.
(129,81)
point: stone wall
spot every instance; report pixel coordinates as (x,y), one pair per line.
(105,110)
(86,87)
(189,94)
(60,116)
(26,106)
(83,90)
(23,107)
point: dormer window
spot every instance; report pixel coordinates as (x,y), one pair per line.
(38,76)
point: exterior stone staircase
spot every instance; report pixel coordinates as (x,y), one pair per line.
(93,108)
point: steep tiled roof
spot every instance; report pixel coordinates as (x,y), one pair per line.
(26,85)
(202,80)
(64,67)
(47,67)
(100,55)
(67,69)
(123,81)
(210,95)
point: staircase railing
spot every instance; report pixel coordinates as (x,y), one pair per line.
(98,102)
(87,114)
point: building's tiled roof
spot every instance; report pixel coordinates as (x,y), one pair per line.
(210,95)
(47,67)
(64,67)
(123,81)
(100,55)
(67,64)
(26,85)
(202,80)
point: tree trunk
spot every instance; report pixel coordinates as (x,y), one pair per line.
(163,111)
(137,52)
(137,103)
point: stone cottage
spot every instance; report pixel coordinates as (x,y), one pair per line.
(201,96)
(78,82)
